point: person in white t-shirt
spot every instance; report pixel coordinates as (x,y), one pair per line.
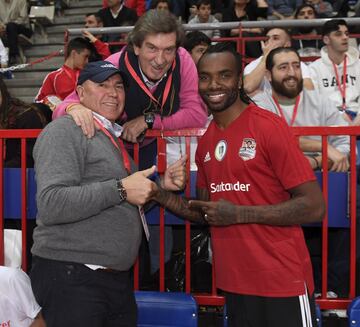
(18,307)
(254,73)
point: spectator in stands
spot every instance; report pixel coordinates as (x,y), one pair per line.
(196,43)
(14,21)
(283,9)
(15,114)
(246,10)
(138,5)
(59,84)
(255,79)
(255,206)
(337,73)
(306,47)
(301,107)
(186,9)
(163,92)
(323,8)
(204,16)
(102,48)
(89,224)
(18,306)
(161,5)
(116,14)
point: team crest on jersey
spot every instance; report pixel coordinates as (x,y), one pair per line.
(248,149)
(220,150)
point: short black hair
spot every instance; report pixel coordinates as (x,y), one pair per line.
(332,26)
(270,57)
(305,5)
(154,4)
(78,44)
(194,38)
(96,15)
(203,2)
(223,47)
(287,31)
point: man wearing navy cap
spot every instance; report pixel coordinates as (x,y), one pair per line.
(89,199)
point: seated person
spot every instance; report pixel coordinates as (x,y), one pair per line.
(196,43)
(282,9)
(18,306)
(94,21)
(204,16)
(14,22)
(60,83)
(255,79)
(323,8)
(306,47)
(161,5)
(115,15)
(246,10)
(301,107)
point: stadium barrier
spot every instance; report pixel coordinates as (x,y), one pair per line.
(19,189)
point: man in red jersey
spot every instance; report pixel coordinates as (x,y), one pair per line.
(255,188)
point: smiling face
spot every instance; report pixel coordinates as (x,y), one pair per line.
(218,81)
(285,76)
(156,54)
(106,98)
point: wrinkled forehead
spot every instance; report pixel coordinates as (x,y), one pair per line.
(284,58)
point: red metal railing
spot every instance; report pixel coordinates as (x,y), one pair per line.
(211,298)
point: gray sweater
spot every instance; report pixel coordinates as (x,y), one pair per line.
(80,217)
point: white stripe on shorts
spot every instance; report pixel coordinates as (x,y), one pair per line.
(305,310)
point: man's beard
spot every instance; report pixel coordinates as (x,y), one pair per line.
(280,88)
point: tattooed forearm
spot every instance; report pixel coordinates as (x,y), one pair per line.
(178,205)
(305,206)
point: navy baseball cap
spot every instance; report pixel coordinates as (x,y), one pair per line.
(100,71)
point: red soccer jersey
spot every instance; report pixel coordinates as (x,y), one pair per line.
(253,162)
(60,82)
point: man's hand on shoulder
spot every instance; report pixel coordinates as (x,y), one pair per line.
(133,128)
(83,117)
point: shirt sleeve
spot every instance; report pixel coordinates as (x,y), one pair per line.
(102,48)
(288,162)
(305,71)
(25,300)
(47,88)
(192,111)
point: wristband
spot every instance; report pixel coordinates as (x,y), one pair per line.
(317,163)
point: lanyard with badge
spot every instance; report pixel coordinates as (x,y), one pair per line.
(293,117)
(120,146)
(341,84)
(145,88)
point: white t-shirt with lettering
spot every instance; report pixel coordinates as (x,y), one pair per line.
(18,307)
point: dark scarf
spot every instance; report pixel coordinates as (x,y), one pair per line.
(137,101)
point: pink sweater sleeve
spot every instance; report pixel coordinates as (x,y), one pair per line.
(192,111)
(73,97)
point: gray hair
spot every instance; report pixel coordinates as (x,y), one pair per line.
(155,22)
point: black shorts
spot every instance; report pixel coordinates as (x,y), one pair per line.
(258,311)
